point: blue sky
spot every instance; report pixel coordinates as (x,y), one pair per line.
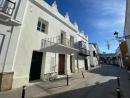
(99,19)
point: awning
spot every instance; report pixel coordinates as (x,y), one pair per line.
(59,48)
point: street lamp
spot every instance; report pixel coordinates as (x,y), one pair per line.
(116,34)
(121,38)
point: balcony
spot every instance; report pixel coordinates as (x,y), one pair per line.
(58,45)
(7,8)
(83,49)
(84,52)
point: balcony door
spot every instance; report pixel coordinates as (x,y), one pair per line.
(63,38)
(71,41)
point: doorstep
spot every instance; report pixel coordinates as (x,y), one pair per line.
(34,82)
(61,77)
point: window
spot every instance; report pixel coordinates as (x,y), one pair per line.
(63,38)
(94,53)
(71,41)
(82,44)
(41,27)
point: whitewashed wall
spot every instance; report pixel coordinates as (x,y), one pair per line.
(25,39)
(93,60)
(127,23)
(30,39)
(12,34)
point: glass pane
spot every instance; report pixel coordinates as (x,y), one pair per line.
(38,28)
(39,24)
(42,30)
(43,26)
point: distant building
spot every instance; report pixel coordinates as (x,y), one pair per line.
(37,42)
(94,54)
(108,58)
(122,57)
(119,60)
(124,54)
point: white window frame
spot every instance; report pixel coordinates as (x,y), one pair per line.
(40,26)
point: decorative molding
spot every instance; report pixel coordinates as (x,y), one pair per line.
(82,32)
(46,9)
(76,25)
(54,6)
(67,16)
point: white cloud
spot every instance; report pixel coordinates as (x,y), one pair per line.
(113,13)
(108,17)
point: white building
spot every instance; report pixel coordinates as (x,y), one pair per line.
(37,42)
(127,24)
(94,54)
(119,57)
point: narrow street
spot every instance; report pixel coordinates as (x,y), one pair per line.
(64,49)
(99,82)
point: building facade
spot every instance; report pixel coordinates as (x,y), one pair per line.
(127,25)
(108,59)
(37,42)
(119,57)
(94,54)
(124,55)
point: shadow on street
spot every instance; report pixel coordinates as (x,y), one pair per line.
(99,90)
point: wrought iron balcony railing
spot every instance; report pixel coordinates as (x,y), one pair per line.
(57,40)
(7,7)
(84,52)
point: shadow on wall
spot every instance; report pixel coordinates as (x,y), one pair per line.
(109,70)
(103,90)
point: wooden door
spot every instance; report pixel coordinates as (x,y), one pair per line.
(61,69)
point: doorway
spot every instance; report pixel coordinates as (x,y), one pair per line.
(61,69)
(86,64)
(35,70)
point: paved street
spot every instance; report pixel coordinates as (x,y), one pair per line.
(99,82)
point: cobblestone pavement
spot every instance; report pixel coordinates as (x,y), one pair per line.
(99,82)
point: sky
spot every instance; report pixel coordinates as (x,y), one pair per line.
(99,19)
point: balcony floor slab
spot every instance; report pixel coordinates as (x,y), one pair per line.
(58,48)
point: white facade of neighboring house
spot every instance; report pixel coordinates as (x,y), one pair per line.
(93,55)
(119,57)
(37,42)
(127,24)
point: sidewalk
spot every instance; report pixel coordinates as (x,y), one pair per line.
(47,87)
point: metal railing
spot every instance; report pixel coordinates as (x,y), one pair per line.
(7,6)
(84,52)
(56,40)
